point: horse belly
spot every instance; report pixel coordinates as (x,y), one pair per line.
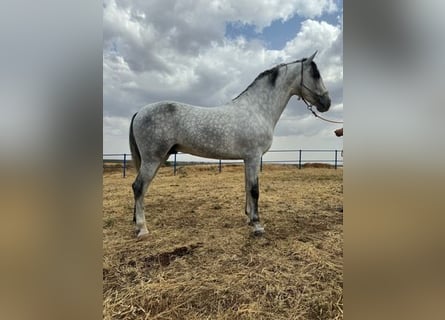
(210,150)
(210,142)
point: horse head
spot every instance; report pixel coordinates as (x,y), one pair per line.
(311,87)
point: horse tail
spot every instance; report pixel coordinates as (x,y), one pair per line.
(135,154)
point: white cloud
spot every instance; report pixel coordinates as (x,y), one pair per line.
(116,126)
(318,35)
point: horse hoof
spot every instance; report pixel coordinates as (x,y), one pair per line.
(258,231)
(143,235)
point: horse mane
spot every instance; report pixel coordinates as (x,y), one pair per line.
(272,75)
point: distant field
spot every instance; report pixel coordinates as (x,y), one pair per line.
(201,261)
(117,165)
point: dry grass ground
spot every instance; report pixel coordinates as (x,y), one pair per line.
(201,262)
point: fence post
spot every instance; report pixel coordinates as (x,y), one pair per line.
(335,159)
(299,159)
(174,164)
(125,163)
(219,166)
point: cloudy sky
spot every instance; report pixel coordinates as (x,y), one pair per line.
(205,52)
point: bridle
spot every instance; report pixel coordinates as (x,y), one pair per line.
(309,106)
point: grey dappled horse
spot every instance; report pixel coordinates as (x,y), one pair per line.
(240,129)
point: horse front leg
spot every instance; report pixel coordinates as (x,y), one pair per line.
(252,168)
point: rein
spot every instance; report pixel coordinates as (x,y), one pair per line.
(309,106)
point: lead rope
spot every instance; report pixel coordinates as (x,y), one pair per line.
(309,106)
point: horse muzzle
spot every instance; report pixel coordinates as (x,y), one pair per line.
(323,102)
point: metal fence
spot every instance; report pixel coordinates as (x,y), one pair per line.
(298,157)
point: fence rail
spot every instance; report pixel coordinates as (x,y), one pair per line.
(298,157)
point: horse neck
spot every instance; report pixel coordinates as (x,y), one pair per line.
(268,101)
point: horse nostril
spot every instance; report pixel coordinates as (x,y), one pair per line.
(326,101)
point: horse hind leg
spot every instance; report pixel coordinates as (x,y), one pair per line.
(140,187)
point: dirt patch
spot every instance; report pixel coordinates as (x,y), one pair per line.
(201,260)
(165,258)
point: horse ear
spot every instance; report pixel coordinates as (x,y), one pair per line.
(309,60)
